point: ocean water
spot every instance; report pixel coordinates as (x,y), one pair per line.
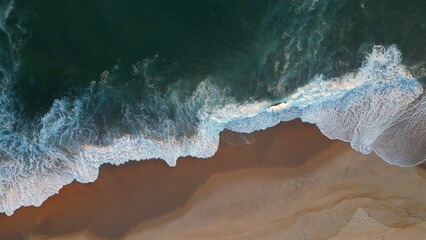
(84,83)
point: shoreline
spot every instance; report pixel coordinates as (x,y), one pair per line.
(78,205)
(140,199)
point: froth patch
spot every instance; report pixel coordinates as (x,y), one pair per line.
(377,108)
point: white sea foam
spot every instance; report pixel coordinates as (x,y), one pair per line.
(377,108)
(356,108)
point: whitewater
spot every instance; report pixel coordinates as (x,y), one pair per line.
(380,107)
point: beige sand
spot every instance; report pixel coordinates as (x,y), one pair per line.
(338,195)
(136,192)
(271,189)
(353,196)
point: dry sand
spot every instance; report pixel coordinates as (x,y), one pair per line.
(290,182)
(351,196)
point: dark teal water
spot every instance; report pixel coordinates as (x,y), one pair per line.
(87,82)
(70,43)
(65,45)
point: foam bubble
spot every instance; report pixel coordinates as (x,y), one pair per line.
(377,108)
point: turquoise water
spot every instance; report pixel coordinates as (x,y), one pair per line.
(88,82)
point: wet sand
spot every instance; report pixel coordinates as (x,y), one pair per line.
(286,178)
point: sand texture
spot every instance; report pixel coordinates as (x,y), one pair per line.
(287,182)
(349,196)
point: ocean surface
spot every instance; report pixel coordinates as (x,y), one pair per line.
(84,83)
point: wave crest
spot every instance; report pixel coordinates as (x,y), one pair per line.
(377,108)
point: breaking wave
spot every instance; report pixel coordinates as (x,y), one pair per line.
(380,107)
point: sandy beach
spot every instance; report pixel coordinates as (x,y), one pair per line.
(286,182)
(350,196)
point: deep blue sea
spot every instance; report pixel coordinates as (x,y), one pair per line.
(84,83)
